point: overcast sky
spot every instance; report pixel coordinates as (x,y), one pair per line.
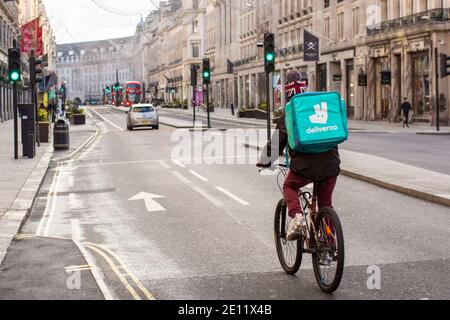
(86,20)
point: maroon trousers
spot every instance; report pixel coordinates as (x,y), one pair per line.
(292,187)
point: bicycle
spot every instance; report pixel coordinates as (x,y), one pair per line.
(323,239)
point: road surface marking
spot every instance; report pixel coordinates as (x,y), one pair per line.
(115,269)
(110,122)
(192,160)
(48,202)
(78,268)
(76,234)
(181,177)
(71,181)
(232,196)
(208,197)
(178,163)
(165,165)
(198,176)
(136,281)
(53,203)
(149,199)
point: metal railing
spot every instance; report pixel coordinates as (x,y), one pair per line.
(435,15)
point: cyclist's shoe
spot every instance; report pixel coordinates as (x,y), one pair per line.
(296,228)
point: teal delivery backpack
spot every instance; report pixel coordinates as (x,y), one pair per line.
(316,122)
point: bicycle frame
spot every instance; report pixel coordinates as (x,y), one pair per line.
(311,203)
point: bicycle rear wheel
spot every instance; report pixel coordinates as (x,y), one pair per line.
(329,258)
(290,253)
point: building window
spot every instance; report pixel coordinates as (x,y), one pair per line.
(340,26)
(195,50)
(356,23)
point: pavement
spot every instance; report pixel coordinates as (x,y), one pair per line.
(21,179)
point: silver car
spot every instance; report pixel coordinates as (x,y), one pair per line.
(142,115)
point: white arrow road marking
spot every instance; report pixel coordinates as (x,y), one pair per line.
(150,203)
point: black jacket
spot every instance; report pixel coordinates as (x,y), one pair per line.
(406,108)
(312,166)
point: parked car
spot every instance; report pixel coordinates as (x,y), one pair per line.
(142,115)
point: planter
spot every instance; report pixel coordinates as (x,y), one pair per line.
(260,115)
(241,114)
(44,131)
(78,119)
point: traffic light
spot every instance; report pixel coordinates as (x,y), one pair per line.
(269,52)
(14,64)
(107,90)
(445,65)
(206,71)
(194,69)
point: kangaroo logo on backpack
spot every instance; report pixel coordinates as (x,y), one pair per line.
(316,122)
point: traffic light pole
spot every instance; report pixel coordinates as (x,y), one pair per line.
(269,125)
(16,124)
(194,102)
(207,106)
(438,119)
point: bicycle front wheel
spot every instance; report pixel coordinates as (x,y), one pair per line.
(328,260)
(290,253)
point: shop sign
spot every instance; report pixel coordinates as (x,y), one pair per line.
(337,77)
(386,77)
(362,80)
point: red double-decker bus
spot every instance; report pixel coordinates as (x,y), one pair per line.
(132,93)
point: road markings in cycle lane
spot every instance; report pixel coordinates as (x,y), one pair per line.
(198,176)
(232,196)
(108,121)
(182,178)
(209,197)
(178,163)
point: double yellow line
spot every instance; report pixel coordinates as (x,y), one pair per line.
(123,273)
(137,290)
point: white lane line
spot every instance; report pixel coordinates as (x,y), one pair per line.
(178,163)
(110,122)
(164,164)
(208,197)
(232,196)
(181,177)
(71,181)
(47,204)
(198,176)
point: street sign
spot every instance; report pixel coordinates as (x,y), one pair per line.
(337,77)
(149,199)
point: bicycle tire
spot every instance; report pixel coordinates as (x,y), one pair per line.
(334,285)
(298,251)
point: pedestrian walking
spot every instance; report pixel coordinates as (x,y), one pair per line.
(407,111)
(232,109)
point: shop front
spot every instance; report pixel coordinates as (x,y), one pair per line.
(421,86)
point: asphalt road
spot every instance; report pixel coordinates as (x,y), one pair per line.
(213,236)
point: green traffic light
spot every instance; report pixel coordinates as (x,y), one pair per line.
(206,74)
(14,76)
(270,57)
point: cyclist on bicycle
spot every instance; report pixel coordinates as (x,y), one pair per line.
(304,168)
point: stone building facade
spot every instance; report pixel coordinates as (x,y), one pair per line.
(392,44)
(88,67)
(9,30)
